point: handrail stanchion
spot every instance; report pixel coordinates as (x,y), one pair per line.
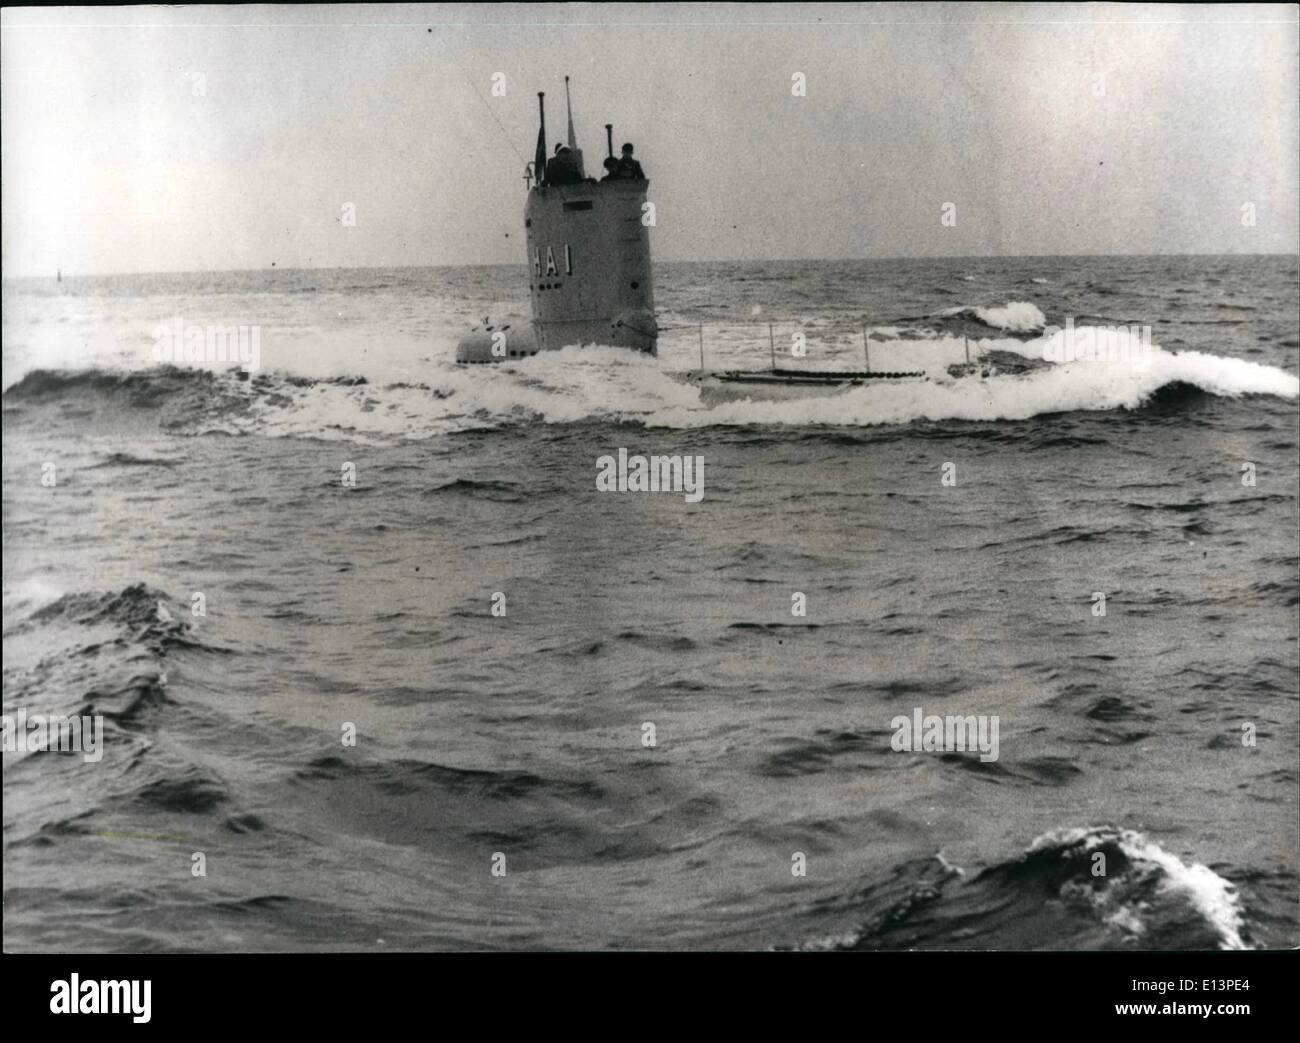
(701,345)
(866,348)
(771,338)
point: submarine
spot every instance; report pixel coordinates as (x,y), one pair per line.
(591,282)
(588,255)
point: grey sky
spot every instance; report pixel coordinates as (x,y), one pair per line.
(1053,129)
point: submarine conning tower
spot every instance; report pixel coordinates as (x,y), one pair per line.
(588,258)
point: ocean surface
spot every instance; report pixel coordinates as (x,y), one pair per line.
(239,570)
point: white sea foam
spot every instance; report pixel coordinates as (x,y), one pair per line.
(1212,896)
(25,596)
(1014,316)
(578,384)
(1080,386)
(415,390)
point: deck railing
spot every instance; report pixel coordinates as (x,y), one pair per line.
(863,329)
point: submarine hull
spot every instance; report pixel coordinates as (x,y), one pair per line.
(497,343)
(785,385)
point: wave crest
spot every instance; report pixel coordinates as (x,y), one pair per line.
(1083,888)
(597,383)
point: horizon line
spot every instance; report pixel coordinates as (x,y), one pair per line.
(668,260)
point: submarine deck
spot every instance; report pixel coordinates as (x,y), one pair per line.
(813,377)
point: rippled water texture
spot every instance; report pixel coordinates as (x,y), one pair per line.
(328,605)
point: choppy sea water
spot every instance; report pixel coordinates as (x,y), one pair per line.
(522,735)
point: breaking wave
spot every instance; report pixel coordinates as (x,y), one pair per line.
(1086,888)
(1015,316)
(579,384)
(92,652)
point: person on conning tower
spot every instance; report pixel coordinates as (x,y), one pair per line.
(611,169)
(628,168)
(562,168)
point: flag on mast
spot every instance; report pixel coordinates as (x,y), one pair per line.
(539,158)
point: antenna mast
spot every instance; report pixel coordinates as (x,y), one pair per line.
(573,143)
